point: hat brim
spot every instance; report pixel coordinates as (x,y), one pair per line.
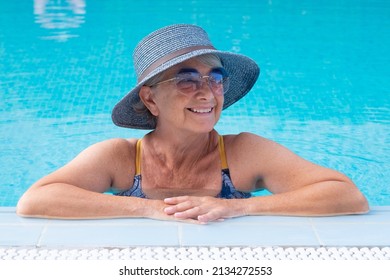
(243,73)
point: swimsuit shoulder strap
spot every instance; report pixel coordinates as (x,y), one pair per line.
(138,158)
(222,152)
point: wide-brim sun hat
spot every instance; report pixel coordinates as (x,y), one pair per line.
(172,45)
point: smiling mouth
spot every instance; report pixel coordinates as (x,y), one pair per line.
(200,111)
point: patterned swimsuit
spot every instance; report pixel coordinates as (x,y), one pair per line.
(228,190)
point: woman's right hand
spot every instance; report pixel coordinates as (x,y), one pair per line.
(156,211)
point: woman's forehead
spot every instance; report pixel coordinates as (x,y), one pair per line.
(192,63)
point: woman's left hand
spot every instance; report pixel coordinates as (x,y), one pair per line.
(204,209)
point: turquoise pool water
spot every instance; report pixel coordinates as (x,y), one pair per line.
(323,90)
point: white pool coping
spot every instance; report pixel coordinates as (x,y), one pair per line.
(354,237)
(369,230)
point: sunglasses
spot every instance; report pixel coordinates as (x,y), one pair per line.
(188,81)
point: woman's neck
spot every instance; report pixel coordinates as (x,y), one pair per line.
(180,149)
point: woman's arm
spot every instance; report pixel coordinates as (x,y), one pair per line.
(76,191)
(64,201)
(300,187)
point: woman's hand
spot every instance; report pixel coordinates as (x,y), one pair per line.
(203,209)
(155,209)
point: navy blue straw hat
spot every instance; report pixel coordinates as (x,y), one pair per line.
(172,45)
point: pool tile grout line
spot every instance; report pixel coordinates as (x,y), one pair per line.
(180,235)
(316,233)
(41,236)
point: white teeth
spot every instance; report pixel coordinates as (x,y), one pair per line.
(201,110)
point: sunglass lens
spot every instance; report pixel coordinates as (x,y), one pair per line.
(187,82)
(218,82)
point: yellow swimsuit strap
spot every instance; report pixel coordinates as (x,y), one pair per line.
(221,148)
(138,158)
(222,152)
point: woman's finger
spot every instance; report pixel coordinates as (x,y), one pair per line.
(176,199)
(187,214)
(180,207)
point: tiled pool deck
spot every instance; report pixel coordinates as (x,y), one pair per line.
(369,230)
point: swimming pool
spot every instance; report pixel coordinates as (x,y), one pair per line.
(323,90)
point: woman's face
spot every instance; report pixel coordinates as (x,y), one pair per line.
(196,110)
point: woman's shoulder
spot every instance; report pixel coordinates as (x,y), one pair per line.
(245,139)
(111,149)
(121,143)
(115,143)
(117,155)
(249,147)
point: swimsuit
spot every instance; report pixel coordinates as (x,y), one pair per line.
(227,191)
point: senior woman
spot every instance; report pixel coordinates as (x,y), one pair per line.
(183,169)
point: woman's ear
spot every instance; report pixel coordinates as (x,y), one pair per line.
(147,98)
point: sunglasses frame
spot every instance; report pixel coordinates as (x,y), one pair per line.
(198,80)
